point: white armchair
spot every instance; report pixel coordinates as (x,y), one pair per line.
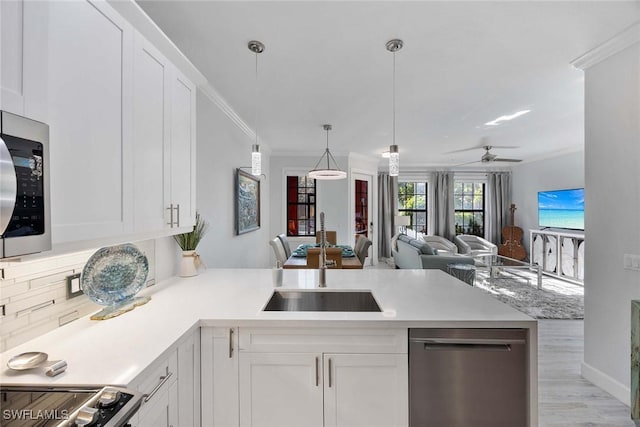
(441,244)
(471,245)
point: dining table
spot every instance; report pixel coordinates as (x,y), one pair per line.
(298,257)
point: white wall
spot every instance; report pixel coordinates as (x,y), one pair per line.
(612,159)
(556,173)
(222,147)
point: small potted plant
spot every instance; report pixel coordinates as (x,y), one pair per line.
(188,243)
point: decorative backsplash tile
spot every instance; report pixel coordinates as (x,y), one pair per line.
(34,297)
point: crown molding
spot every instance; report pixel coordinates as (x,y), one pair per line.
(141,22)
(214,96)
(617,43)
(138,18)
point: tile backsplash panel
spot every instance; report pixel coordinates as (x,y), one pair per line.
(34,298)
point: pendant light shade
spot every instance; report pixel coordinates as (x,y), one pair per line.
(256,158)
(394,157)
(328,172)
(394,160)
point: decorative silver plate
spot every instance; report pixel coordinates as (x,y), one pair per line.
(115,274)
(28,360)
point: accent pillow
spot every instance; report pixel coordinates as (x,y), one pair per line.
(424,247)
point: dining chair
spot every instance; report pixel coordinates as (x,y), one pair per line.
(285,244)
(363,249)
(313,257)
(331,237)
(278,250)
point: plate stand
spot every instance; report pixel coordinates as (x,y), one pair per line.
(118,309)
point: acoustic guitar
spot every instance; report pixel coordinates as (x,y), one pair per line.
(511,246)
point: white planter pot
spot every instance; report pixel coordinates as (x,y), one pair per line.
(188,266)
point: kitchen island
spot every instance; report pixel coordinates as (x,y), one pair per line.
(122,350)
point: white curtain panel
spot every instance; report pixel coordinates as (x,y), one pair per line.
(499,201)
(387,207)
(444,221)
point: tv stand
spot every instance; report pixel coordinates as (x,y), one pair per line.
(559,253)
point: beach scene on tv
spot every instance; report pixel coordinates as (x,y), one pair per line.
(561,209)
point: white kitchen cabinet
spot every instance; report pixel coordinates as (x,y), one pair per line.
(281,389)
(159,384)
(365,390)
(151,116)
(220,399)
(182,153)
(188,381)
(172,387)
(160,411)
(24,58)
(323,377)
(163,143)
(90,119)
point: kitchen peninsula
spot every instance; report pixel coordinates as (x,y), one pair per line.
(219,316)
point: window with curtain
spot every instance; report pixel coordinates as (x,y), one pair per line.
(469,205)
(412,202)
(301,206)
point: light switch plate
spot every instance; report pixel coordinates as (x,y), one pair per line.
(74,287)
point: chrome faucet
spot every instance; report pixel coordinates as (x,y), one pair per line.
(323,254)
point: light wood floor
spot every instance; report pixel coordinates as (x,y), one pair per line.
(565,398)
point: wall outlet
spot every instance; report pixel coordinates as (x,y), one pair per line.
(631,262)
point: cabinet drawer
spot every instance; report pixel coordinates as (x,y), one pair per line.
(308,340)
(165,371)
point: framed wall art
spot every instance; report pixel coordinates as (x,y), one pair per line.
(247,202)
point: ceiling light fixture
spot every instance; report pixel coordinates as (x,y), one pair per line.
(256,158)
(394,157)
(501,119)
(328,172)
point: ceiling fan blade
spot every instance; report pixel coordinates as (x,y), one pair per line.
(462,150)
(480,147)
(507,160)
(467,163)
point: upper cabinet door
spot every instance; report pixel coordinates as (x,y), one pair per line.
(151,135)
(90,101)
(183,150)
(24,62)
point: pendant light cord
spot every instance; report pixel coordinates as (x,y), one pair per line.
(255,109)
(394,97)
(328,153)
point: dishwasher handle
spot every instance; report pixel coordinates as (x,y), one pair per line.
(462,344)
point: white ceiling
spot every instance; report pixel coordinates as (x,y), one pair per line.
(463,64)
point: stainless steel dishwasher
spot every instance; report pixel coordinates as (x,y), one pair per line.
(468,377)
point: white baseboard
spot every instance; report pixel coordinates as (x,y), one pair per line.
(605,382)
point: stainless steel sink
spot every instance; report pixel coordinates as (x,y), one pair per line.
(316,300)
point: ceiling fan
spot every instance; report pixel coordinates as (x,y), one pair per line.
(488,157)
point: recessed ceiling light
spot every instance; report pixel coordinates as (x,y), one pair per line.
(501,119)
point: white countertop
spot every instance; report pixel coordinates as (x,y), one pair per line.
(117,350)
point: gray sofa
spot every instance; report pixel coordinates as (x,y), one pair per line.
(414,253)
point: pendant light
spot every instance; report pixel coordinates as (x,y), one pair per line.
(256,158)
(328,172)
(394,157)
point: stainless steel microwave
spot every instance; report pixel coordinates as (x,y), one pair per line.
(25,222)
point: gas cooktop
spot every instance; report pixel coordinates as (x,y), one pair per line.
(26,406)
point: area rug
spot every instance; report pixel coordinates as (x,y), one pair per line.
(556,300)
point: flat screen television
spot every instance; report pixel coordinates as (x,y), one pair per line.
(561,209)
